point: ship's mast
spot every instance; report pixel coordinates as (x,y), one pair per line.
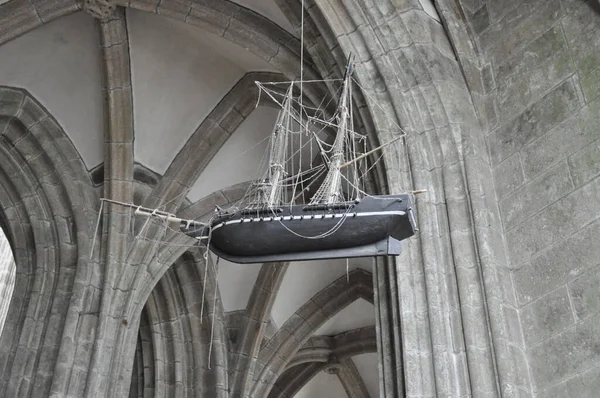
(330,189)
(279,140)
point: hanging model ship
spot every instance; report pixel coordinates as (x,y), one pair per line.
(277,222)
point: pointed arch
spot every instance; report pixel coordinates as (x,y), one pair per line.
(44,192)
(280,349)
(181,332)
(296,377)
(255,320)
(342,345)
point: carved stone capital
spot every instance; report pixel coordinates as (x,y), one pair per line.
(100,9)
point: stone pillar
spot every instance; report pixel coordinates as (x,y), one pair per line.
(387,319)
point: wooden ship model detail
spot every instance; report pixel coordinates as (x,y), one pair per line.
(273,224)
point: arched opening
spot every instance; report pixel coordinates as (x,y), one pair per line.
(7,276)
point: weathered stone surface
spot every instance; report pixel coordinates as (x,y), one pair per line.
(552,146)
(16,18)
(578,25)
(585,294)
(535,195)
(51,9)
(551,109)
(583,385)
(546,316)
(585,164)
(508,175)
(566,216)
(518,27)
(560,264)
(570,352)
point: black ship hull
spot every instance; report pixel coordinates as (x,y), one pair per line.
(372,227)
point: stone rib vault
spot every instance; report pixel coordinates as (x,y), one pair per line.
(152,102)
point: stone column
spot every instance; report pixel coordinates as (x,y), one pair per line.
(387,319)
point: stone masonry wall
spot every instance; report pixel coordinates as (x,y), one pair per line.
(7,277)
(541,63)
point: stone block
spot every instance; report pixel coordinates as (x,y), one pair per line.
(48,10)
(213,15)
(177,9)
(144,5)
(113,31)
(508,175)
(555,223)
(404,5)
(394,33)
(116,66)
(550,110)
(520,26)
(18,17)
(584,385)
(31,113)
(585,164)
(418,26)
(120,122)
(11,102)
(514,329)
(579,22)
(566,354)
(545,49)
(559,142)
(121,160)
(538,68)
(480,20)
(439,66)
(532,197)
(457,103)
(497,9)
(557,266)
(546,316)
(262,42)
(231,121)
(585,293)
(589,75)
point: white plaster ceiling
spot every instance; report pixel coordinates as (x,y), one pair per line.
(179,73)
(268,9)
(304,279)
(430,9)
(359,314)
(59,64)
(367,367)
(239,159)
(235,283)
(322,385)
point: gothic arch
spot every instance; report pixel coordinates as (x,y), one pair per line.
(181,331)
(279,350)
(409,68)
(44,186)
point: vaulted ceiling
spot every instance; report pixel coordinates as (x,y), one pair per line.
(181,75)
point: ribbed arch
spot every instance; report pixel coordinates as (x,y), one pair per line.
(180,331)
(296,377)
(342,345)
(41,178)
(281,348)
